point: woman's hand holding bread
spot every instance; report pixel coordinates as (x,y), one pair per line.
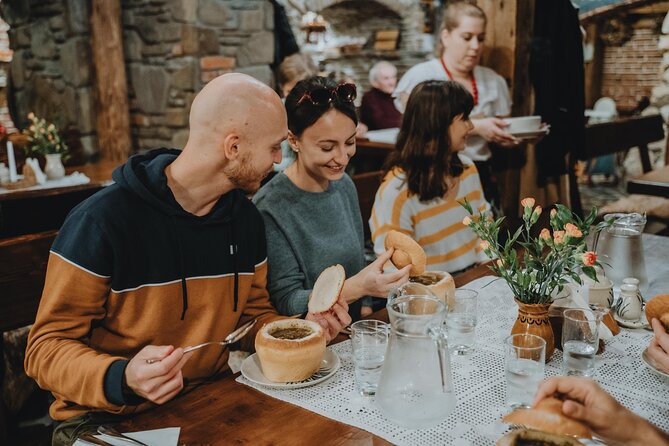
(371,281)
(659,346)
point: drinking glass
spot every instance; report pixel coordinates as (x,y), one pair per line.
(525,356)
(580,340)
(461,321)
(369,339)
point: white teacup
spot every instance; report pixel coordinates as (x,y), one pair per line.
(523,124)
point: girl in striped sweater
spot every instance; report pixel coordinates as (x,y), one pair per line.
(427,176)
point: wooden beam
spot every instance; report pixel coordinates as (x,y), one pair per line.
(605,11)
(594,68)
(508,36)
(113,120)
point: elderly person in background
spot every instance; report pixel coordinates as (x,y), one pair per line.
(458,54)
(377,110)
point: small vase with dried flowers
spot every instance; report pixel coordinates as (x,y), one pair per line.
(43,138)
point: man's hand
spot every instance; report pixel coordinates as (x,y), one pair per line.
(585,401)
(659,346)
(160,381)
(332,320)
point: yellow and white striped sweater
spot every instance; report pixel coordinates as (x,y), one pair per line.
(436,225)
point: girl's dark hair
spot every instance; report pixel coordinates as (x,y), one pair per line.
(423,150)
(304,115)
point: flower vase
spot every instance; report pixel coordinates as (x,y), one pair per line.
(54,168)
(533,319)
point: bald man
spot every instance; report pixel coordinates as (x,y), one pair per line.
(173,254)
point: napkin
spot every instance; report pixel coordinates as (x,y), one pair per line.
(157,437)
(575,300)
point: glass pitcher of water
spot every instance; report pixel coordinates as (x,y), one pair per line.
(620,250)
(416,385)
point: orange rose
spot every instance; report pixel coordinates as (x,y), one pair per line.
(589,258)
(545,234)
(527,202)
(558,237)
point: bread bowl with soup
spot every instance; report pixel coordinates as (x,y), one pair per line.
(291,350)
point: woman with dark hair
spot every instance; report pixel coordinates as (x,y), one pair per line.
(311,212)
(427,176)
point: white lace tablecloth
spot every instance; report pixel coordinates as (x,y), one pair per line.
(480,383)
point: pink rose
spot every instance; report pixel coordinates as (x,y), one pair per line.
(545,234)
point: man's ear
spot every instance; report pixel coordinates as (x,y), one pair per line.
(292,141)
(231,146)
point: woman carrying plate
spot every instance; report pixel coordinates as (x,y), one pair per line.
(458,53)
(311,211)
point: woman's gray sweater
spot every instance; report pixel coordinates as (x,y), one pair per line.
(306,233)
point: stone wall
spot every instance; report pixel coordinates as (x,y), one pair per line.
(631,70)
(358,19)
(172,48)
(660,94)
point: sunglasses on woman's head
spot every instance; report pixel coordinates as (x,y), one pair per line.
(324,95)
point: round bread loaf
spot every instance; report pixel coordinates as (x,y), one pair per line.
(521,437)
(441,283)
(547,416)
(290,350)
(327,289)
(658,308)
(407,252)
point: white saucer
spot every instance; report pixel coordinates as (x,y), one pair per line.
(639,323)
(532,134)
(252,371)
(650,363)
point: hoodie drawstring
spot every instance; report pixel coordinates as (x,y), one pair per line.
(184,287)
(233,252)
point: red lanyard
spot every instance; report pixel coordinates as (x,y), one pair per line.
(475,90)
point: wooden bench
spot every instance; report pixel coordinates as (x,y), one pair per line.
(23,261)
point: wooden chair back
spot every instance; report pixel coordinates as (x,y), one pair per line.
(367,184)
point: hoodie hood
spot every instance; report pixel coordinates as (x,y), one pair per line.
(144,176)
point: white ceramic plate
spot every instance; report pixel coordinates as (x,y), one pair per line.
(253,372)
(530,135)
(650,363)
(639,323)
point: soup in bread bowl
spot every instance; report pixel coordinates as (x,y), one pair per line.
(290,350)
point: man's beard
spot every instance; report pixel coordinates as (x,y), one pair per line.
(243,176)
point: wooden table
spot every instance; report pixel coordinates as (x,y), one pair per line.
(224,412)
(655,182)
(31,211)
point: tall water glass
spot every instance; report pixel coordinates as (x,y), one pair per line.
(580,340)
(525,356)
(369,339)
(461,321)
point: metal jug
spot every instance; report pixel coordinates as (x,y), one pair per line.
(416,385)
(620,249)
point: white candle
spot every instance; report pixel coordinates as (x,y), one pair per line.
(12,163)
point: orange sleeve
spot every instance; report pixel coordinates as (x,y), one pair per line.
(58,356)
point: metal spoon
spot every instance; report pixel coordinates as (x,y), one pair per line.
(108,430)
(230,339)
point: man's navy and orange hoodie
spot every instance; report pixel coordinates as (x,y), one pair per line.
(131,268)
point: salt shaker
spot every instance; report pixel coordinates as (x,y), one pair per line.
(634,281)
(630,304)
